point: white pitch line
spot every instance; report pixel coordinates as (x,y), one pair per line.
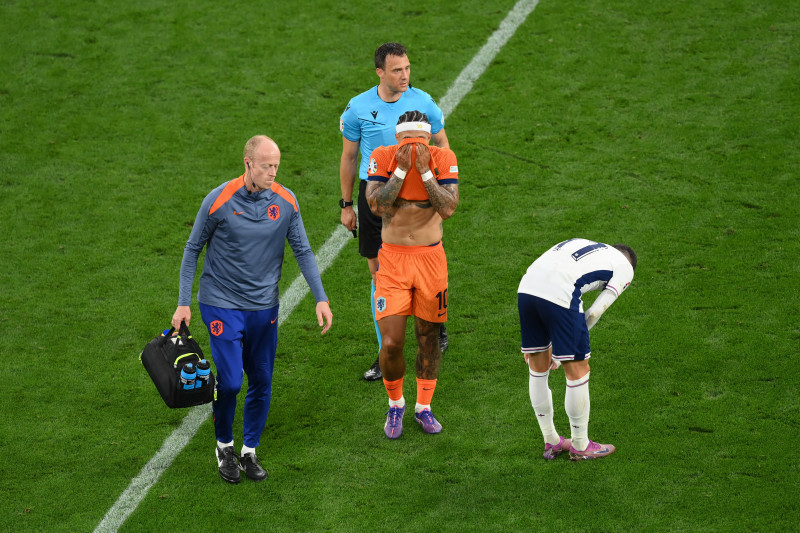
(141,484)
(137,490)
(485,55)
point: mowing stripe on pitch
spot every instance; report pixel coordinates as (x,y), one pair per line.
(140,485)
(137,490)
(477,66)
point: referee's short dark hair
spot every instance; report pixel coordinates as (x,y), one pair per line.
(627,250)
(388,49)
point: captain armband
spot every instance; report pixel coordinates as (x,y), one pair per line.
(427,175)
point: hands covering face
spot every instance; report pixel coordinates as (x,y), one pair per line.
(421,157)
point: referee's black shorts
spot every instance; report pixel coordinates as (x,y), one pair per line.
(369,225)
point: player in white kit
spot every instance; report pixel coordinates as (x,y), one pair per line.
(555,331)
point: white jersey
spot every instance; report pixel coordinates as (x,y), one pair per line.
(565,272)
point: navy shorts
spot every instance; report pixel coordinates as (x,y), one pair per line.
(544,324)
(369,225)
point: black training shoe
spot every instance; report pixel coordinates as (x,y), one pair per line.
(444,339)
(228,464)
(253,470)
(374,372)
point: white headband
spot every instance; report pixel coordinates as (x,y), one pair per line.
(413,126)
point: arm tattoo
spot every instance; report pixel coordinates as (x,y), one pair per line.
(381,196)
(444,198)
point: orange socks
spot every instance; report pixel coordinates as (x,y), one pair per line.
(395,390)
(425,388)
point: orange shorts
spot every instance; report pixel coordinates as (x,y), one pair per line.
(411,280)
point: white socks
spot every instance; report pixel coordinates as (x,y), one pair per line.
(542,402)
(398,403)
(418,407)
(245,449)
(576,404)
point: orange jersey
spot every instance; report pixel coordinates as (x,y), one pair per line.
(443,164)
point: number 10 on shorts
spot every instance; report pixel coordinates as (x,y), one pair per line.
(442,295)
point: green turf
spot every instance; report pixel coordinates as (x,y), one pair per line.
(669,126)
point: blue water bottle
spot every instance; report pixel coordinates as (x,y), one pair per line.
(203,371)
(188,375)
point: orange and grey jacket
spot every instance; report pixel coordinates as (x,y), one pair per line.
(245,235)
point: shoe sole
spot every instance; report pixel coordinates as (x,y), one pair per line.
(579,457)
(256,479)
(422,425)
(552,455)
(232,481)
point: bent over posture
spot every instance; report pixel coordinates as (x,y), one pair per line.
(413,187)
(555,330)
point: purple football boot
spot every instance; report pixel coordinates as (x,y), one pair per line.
(429,424)
(394,422)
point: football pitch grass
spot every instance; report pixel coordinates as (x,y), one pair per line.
(672,127)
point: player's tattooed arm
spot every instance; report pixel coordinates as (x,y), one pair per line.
(444,198)
(381,196)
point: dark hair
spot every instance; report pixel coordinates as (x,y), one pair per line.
(413,116)
(627,250)
(388,49)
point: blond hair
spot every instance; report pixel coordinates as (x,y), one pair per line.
(253,143)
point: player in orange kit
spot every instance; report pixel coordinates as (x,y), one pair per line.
(413,187)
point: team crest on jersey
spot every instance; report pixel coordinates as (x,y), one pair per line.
(216,328)
(274,212)
(380,304)
(373,166)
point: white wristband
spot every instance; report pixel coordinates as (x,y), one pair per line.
(400,173)
(428,175)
